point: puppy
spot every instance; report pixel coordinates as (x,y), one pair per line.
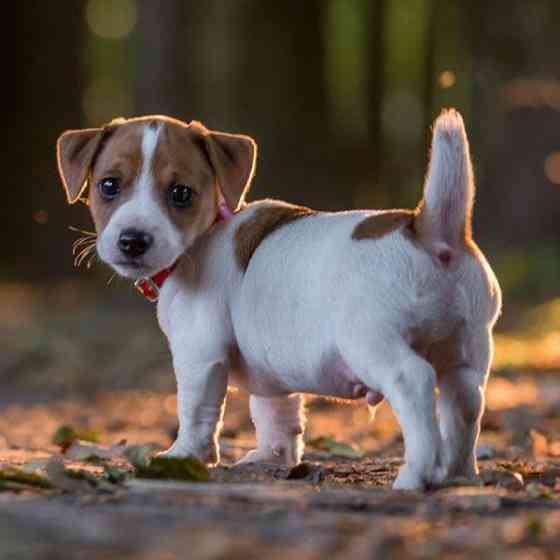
(284,300)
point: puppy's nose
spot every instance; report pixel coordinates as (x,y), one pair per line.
(133,242)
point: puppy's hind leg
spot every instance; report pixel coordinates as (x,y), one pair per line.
(461,403)
(279,422)
(408,382)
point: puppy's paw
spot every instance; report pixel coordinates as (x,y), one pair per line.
(209,455)
(468,471)
(276,456)
(408,480)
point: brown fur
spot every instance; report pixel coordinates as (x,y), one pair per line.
(265,220)
(120,157)
(75,152)
(379,225)
(178,159)
(186,154)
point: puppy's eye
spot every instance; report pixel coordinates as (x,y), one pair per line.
(180,196)
(109,188)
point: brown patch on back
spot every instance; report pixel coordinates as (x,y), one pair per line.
(263,222)
(379,225)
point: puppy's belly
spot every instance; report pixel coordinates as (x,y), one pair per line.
(332,379)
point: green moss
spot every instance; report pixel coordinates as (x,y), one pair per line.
(66,435)
(170,468)
(13,475)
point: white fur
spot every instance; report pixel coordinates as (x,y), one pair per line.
(449,190)
(319,312)
(142,212)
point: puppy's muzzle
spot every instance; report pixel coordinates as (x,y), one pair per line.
(134,243)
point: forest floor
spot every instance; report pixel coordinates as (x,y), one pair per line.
(96,361)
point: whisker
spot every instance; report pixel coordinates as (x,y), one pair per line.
(85,231)
(82,243)
(83,246)
(84,238)
(79,250)
(91,260)
(90,237)
(111,278)
(82,255)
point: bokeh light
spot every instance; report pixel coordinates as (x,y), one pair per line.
(523,92)
(105,99)
(40,217)
(552,167)
(447,79)
(111,19)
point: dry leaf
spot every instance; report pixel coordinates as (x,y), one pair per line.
(333,447)
(84,451)
(172,468)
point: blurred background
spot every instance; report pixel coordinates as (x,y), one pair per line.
(339,95)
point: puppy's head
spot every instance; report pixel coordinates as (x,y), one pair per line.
(154,185)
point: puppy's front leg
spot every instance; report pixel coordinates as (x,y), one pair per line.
(279,422)
(200,407)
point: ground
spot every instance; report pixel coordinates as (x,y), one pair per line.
(93,359)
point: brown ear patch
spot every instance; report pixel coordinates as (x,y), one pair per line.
(379,225)
(263,222)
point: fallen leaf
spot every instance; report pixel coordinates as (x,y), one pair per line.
(75,481)
(19,476)
(84,451)
(537,490)
(510,480)
(66,435)
(34,466)
(139,455)
(333,447)
(171,468)
(115,475)
(59,477)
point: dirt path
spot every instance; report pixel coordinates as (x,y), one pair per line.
(69,364)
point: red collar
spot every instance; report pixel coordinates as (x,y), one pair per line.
(150,286)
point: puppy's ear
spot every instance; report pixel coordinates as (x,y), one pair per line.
(75,150)
(233,157)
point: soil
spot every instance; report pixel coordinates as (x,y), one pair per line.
(98,363)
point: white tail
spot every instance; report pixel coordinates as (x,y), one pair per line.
(445,212)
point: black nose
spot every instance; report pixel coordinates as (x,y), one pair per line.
(133,242)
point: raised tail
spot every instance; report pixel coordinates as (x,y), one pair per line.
(445,211)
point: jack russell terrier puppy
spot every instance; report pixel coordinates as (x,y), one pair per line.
(284,300)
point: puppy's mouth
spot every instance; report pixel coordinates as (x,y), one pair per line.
(133,264)
(136,268)
(132,268)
